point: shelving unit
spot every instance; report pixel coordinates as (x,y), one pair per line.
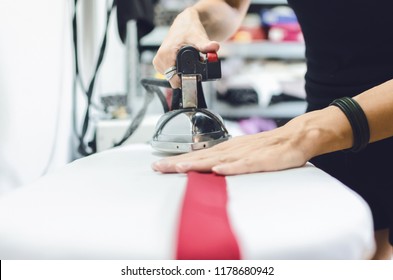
(283,110)
(264,49)
(256,50)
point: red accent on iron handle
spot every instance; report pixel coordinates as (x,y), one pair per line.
(212,57)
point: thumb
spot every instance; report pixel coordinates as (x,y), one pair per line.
(208,46)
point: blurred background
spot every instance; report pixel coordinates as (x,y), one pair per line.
(70,71)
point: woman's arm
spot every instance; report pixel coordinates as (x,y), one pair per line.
(378,106)
(293,144)
(201,26)
(221,18)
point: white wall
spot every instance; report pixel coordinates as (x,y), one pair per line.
(35,88)
(36,76)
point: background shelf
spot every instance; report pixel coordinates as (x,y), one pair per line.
(264,49)
(260,49)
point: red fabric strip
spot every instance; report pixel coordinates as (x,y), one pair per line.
(204,229)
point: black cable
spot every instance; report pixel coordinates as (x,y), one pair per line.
(358,121)
(138,118)
(83,149)
(76,72)
(152,86)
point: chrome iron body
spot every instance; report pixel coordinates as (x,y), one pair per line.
(190,126)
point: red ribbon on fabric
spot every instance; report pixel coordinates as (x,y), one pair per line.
(204,229)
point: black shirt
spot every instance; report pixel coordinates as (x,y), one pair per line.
(349,46)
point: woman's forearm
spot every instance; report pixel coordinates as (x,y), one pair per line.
(292,145)
(377,103)
(221,18)
(329,130)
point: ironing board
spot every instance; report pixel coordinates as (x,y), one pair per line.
(112,205)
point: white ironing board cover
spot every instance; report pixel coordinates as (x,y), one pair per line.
(112,205)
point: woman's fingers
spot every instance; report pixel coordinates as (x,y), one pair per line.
(175,82)
(206,46)
(184,31)
(165,58)
(178,163)
(267,151)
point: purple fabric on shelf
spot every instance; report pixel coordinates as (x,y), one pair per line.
(255,124)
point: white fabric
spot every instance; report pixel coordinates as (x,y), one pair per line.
(113,206)
(35,89)
(301,213)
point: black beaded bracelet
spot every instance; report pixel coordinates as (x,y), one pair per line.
(358,121)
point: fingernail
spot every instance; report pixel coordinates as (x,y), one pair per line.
(183,167)
(161,164)
(218,169)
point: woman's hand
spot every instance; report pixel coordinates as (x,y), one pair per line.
(199,26)
(267,151)
(291,145)
(186,30)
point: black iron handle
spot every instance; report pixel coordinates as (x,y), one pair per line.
(189,62)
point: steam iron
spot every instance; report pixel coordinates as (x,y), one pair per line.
(188,125)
